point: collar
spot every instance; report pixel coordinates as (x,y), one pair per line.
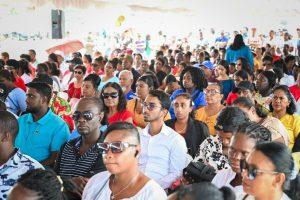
(164,130)
(41,121)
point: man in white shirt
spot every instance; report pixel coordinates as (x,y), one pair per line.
(163,151)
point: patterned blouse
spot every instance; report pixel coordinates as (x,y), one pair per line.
(210,153)
(12,170)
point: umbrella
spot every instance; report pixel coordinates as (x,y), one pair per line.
(67,48)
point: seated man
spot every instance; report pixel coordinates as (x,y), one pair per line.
(80,158)
(163,151)
(42,133)
(12,162)
(126,80)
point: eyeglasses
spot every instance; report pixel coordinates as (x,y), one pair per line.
(115,147)
(77,72)
(150,106)
(112,95)
(252,172)
(212,92)
(87,115)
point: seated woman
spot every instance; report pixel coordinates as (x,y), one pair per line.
(74,90)
(214,150)
(223,78)
(192,81)
(265,82)
(114,104)
(15,99)
(209,113)
(13,66)
(265,172)
(143,85)
(283,108)
(171,84)
(122,180)
(90,85)
(256,114)
(194,132)
(239,76)
(109,73)
(242,143)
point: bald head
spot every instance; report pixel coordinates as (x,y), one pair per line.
(90,102)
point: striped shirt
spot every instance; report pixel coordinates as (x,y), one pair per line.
(71,164)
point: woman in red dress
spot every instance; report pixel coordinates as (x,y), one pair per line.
(115,104)
(74,90)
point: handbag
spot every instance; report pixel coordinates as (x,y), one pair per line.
(198,172)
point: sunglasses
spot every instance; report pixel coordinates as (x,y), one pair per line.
(253,172)
(77,72)
(87,115)
(115,147)
(212,92)
(112,95)
(150,106)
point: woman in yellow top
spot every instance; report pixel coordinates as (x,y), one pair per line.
(209,113)
(143,85)
(283,107)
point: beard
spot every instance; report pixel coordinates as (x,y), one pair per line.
(32,110)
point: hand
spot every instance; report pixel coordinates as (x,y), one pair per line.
(78,184)
(184,181)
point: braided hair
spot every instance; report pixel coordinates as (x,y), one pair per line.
(44,182)
(255,131)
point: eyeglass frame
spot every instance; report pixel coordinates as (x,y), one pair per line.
(113,95)
(152,106)
(253,172)
(81,114)
(125,145)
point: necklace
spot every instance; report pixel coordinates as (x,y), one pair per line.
(113,196)
(180,131)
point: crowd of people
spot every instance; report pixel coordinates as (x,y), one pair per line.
(217,121)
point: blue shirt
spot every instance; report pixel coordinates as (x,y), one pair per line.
(222,39)
(39,139)
(198,98)
(16,101)
(233,55)
(130,95)
(111,80)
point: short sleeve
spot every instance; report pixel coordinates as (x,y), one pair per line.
(60,137)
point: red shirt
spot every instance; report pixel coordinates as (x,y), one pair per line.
(20,83)
(120,117)
(295,90)
(74,92)
(231,98)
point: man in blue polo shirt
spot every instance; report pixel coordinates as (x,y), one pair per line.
(41,133)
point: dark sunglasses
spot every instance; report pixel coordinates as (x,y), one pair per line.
(87,115)
(253,172)
(112,95)
(150,106)
(115,147)
(77,72)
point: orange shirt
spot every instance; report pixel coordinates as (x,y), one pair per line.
(210,121)
(138,118)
